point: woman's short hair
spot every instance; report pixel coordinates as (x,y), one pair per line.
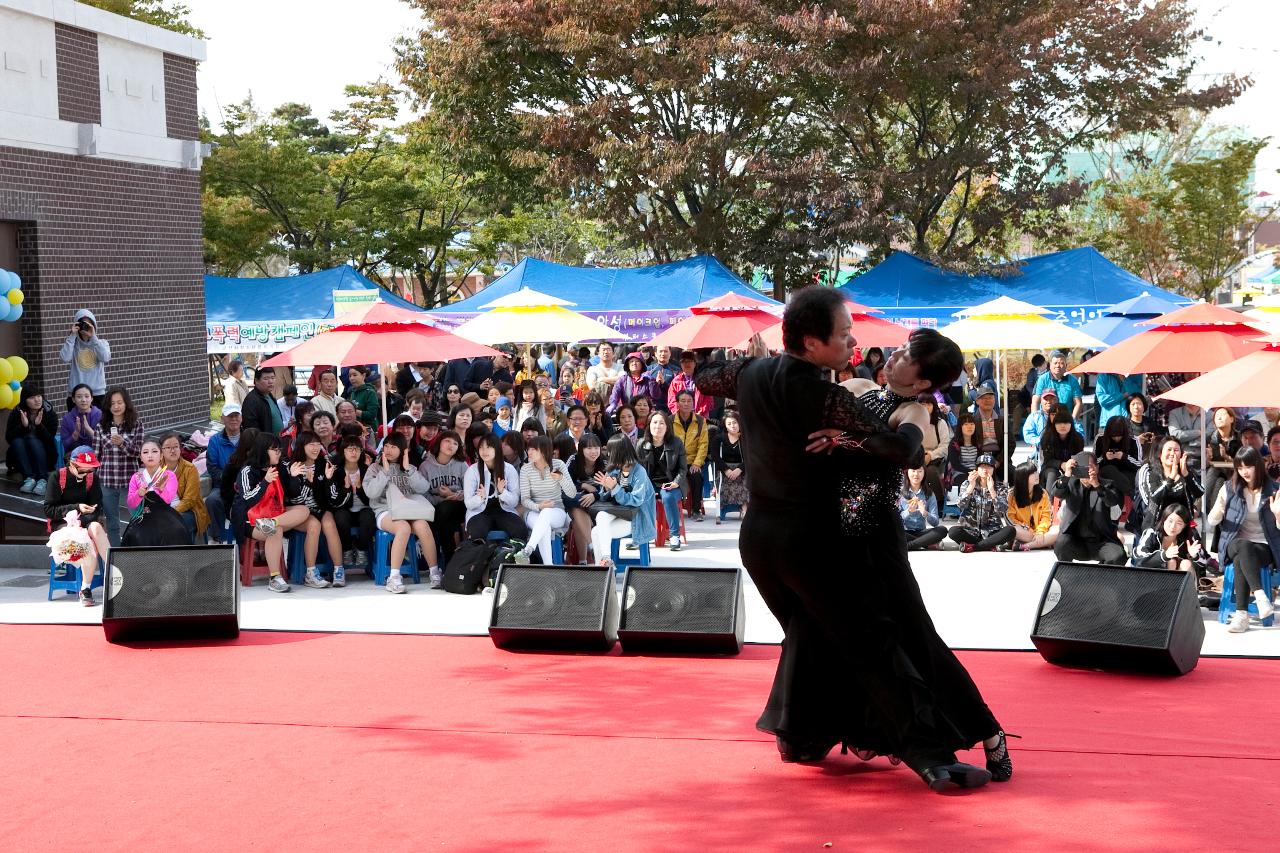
(962,419)
(300,445)
(1174,509)
(533,424)
(1136,395)
(542,444)
(937,358)
(811,313)
(322,414)
(396,440)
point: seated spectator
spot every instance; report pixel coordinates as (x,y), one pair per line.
(627,423)
(1253,435)
(1090,507)
(514,450)
(643,406)
(426,434)
(74,488)
(597,420)
(491,491)
(936,444)
(1221,446)
(633,381)
(1246,511)
(1142,425)
(1172,544)
(531,428)
(584,463)
(81,419)
(662,456)
(1057,446)
(445,473)
(325,398)
(361,394)
(415,404)
(551,417)
(393,469)
(1184,425)
(1039,421)
(1165,479)
(188,503)
(325,426)
(627,488)
(350,507)
(962,456)
(317,490)
(984,505)
(303,414)
(262,509)
(452,397)
(1117,453)
(544,484)
(1029,511)
(30,434)
(505,421)
(729,461)
(919,511)
(872,360)
(564,448)
(460,418)
(692,429)
(1273,453)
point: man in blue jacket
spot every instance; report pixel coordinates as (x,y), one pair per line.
(221,446)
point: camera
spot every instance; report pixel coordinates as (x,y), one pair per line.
(84,325)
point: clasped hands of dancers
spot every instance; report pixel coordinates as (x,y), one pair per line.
(862,665)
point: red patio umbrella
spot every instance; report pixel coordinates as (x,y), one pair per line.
(868,331)
(725,321)
(1246,383)
(1195,339)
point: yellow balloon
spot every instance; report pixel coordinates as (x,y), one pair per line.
(19,367)
(15,297)
(7,397)
(6,371)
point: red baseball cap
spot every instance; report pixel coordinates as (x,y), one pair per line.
(86,459)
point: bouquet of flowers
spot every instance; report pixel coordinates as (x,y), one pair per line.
(72,544)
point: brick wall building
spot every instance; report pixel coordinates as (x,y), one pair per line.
(100,198)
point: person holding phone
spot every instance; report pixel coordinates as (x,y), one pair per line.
(117,442)
(1087,525)
(662,455)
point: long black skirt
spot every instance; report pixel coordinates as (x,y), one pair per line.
(861,660)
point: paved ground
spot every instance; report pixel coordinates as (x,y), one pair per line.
(980,601)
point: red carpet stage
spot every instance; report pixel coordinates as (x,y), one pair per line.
(357,742)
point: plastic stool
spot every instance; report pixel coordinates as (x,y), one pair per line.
(557,549)
(382,557)
(296,541)
(66,577)
(250,568)
(1227,606)
(621,562)
(664,530)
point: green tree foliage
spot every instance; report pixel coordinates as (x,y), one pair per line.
(772,132)
(171,16)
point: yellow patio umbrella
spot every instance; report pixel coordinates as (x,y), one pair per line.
(1266,311)
(527,315)
(1005,324)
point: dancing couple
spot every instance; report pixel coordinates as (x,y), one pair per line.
(862,665)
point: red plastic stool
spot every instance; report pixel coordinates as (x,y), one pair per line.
(253,561)
(664,530)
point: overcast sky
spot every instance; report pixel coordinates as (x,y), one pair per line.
(307,50)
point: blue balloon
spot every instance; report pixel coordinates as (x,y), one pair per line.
(15,384)
(6,283)
(15,312)
(4,308)
(15,280)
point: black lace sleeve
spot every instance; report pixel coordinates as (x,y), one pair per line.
(868,432)
(720,378)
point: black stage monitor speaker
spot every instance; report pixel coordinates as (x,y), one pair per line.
(174,592)
(554,607)
(1116,617)
(682,610)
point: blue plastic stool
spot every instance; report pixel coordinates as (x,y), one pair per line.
(1227,606)
(382,558)
(57,445)
(621,562)
(66,578)
(296,568)
(557,549)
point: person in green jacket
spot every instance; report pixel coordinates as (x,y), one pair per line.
(362,395)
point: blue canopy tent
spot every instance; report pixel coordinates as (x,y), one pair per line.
(273,314)
(1076,284)
(639,302)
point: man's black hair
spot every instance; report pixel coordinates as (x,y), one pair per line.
(1037,360)
(810,313)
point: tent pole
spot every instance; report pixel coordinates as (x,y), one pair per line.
(383,383)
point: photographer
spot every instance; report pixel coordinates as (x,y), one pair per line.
(1088,529)
(88,356)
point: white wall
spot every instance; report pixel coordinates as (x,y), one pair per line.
(28,65)
(132,78)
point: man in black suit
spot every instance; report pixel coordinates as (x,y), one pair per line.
(1090,509)
(470,374)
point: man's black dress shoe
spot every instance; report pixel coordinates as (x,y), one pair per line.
(800,752)
(962,775)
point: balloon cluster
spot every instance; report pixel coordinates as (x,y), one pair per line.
(13,370)
(11,291)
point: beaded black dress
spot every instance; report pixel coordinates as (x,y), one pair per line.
(861,662)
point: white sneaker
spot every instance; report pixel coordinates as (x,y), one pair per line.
(1265,607)
(395,584)
(27,485)
(674,543)
(437,579)
(339,576)
(278,584)
(520,558)
(314,580)
(266,525)
(1239,622)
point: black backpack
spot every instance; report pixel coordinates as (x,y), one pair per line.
(468,567)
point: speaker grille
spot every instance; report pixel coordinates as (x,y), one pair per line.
(552,597)
(695,602)
(1108,605)
(171,582)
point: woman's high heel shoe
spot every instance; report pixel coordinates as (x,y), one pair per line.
(998,761)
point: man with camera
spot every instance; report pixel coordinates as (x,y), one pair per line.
(1088,523)
(88,356)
